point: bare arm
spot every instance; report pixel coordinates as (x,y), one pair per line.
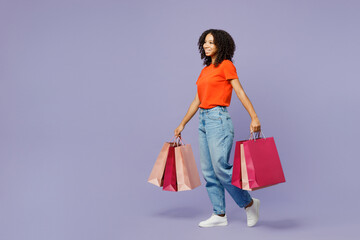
(194,106)
(240,93)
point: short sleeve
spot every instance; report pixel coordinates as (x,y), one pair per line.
(200,76)
(229,70)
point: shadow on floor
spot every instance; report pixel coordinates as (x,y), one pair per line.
(181,212)
(280,224)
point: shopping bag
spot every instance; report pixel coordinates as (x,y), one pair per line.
(259,162)
(245,178)
(236,178)
(157,173)
(170,183)
(187,174)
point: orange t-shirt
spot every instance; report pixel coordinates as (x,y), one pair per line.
(213,86)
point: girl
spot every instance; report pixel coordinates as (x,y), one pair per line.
(216,131)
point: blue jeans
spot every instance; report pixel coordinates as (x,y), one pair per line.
(216,135)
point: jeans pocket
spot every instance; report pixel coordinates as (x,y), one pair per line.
(228,124)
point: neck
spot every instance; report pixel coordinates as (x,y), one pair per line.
(213,58)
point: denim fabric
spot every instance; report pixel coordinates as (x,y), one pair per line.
(216,135)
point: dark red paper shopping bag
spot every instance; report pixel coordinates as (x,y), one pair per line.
(170,183)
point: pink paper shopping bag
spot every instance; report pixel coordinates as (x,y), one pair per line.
(257,164)
(157,172)
(186,171)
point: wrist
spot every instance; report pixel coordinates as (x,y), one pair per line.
(254,117)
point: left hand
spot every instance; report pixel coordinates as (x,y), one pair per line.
(255,125)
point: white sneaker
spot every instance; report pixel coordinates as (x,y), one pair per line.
(252,213)
(214,221)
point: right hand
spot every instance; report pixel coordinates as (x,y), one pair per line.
(178,130)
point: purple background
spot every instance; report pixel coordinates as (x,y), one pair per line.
(90,91)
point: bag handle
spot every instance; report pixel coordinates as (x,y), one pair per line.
(252,135)
(181,141)
(178,140)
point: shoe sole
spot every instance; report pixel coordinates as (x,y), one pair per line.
(257,213)
(215,225)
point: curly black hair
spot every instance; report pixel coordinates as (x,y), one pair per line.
(224,43)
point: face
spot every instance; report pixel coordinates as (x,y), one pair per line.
(209,46)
